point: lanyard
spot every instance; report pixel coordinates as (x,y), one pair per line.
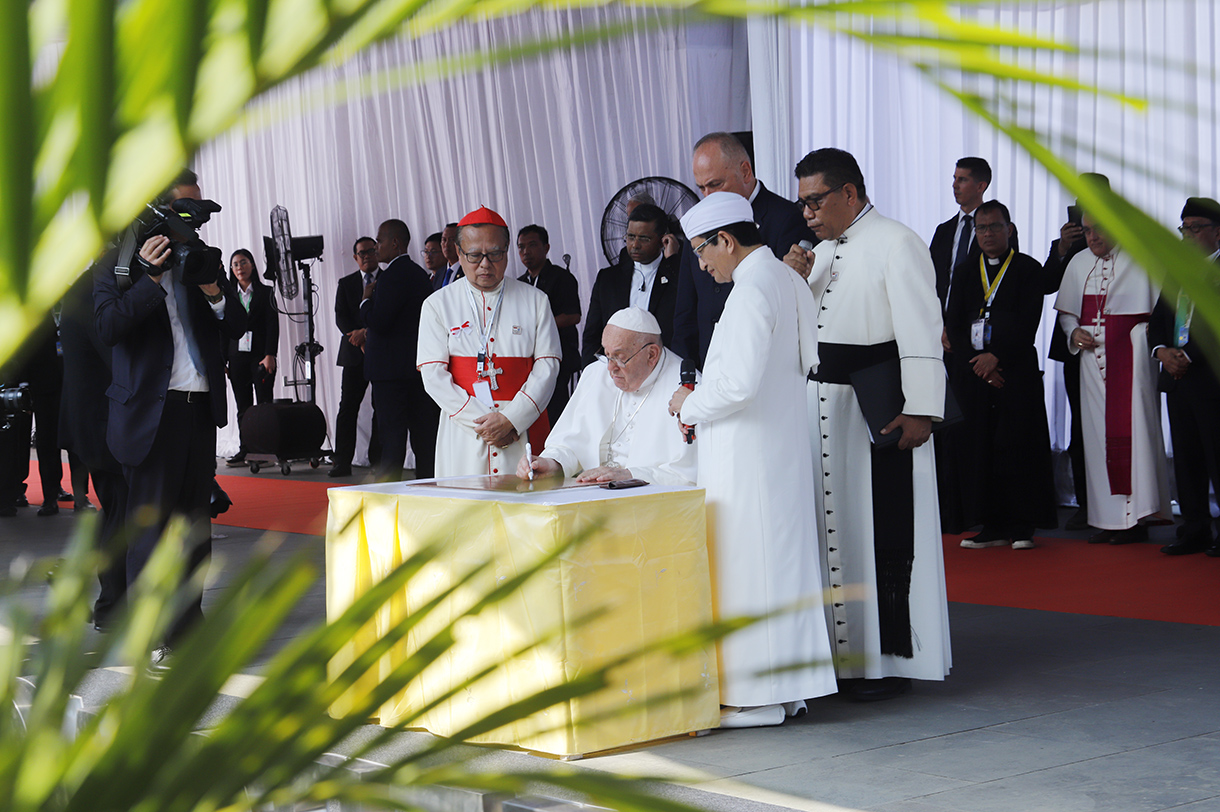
(990,287)
(491,326)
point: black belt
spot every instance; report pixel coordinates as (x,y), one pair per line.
(186,397)
(836,362)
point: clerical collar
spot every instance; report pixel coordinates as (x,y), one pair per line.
(650,269)
(867,208)
(994,261)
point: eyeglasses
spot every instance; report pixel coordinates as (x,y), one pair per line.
(991,228)
(368,252)
(620,364)
(1195,229)
(642,239)
(430,252)
(477,257)
(814,202)
(702,245)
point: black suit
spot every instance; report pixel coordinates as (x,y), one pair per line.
(612,292)
(563,293)
(83,415)
(353,383)
(1052,278)
(263,321)
(391,316)
(701,298)
(165,439)
(1193,402)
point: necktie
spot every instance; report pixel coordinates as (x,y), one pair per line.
(368,279)
(963,242)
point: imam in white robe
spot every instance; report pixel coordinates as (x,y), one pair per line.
(635,429)
(1125,289)
(524,342)
(755,461)
(873,285)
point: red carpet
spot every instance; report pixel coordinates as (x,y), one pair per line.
(271,503)
(1070,575)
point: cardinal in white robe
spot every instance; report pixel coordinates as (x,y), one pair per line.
(489,356)
(617,424)
(1104,305)
(755,461)
(878,514)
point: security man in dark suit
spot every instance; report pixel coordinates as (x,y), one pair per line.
(390,312)
(1193,391)
(353,384)
(563,293)
(954,239)
(167,395)
(721,164)
(641,278)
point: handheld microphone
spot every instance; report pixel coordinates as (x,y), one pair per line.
(806,244)
(688,380)
(567,261)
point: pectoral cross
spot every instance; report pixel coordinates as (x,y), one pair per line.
(490,373)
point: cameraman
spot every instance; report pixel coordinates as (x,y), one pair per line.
(167,395)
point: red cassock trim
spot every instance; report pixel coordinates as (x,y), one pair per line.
(1119,376)
(464,369)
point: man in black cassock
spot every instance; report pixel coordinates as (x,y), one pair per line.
(993,312)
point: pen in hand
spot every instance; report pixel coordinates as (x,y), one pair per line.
(529,459)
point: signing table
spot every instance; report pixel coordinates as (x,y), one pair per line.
(646,567)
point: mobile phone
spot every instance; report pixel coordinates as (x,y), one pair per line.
(1074,214)
(619,484)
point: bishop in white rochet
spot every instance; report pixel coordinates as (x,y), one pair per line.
(489,356)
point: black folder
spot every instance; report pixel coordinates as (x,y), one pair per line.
(879,392)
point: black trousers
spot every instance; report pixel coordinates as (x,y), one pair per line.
(403,407)
(1196,452)
(14,458)
(46,444)
(111,490)
(352,387)
(245,375)
(174,479)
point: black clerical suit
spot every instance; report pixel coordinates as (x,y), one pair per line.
(391,316)
(612,292)
(84,412)
(563,293)
(353,384)
(250,381)
(1004,456)
(701,298)
(165,439)
(1052,278)
(1193,403)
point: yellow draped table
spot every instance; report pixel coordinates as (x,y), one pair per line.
(647,567)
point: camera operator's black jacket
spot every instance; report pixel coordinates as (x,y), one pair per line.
(136,324)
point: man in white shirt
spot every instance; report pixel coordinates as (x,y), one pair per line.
(617,424)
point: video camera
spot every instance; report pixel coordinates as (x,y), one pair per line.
(191,260)
(14,400)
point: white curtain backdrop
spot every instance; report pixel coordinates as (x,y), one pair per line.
(546,140)
(549,140)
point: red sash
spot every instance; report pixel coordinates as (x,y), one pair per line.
(1118,374)
(464,370)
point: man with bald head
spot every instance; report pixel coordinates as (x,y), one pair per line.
(617,424)
(721,164)
(489,354)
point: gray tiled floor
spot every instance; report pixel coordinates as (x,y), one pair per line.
(1043,711)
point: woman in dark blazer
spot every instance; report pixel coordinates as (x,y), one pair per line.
(251,358)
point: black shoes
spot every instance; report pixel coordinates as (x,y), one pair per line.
(1132,535)
(238,460)
(1190,540)
(340,470)
(1079,520)
(1102,537)
(874,690)
(48,509)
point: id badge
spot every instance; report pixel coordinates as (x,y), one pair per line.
(1183,335)
(482,393)
(978,332)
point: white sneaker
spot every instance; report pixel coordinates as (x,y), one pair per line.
(971,544)
(1023,544)
(795,709)
(760,716)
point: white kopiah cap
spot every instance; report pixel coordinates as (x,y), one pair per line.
(716,210)
(637,320)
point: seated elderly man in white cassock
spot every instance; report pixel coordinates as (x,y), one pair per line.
(617,424)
